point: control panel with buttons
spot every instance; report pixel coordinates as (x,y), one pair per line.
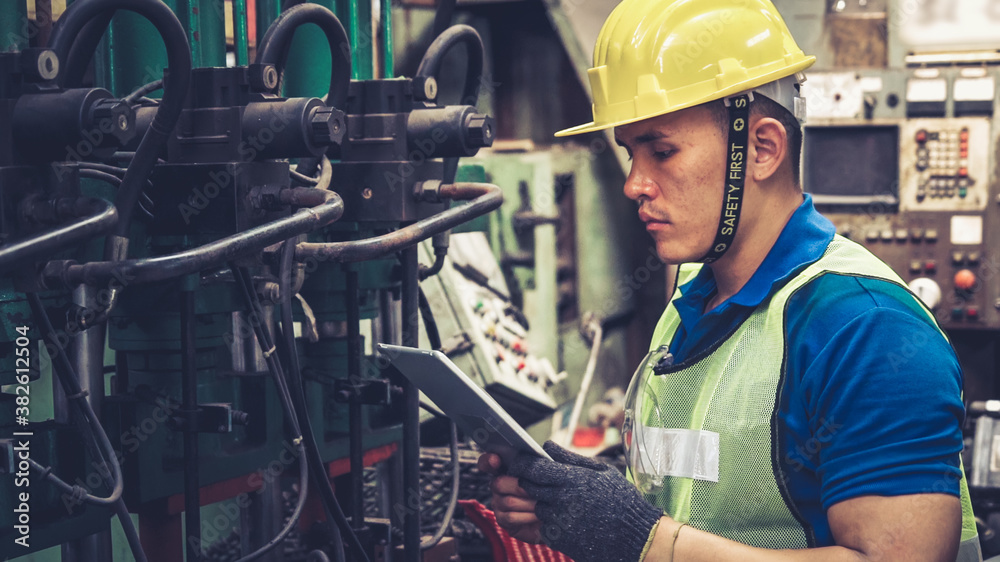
(486,336)
(953,276)
(944,164)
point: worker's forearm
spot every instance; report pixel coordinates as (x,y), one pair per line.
(698,546)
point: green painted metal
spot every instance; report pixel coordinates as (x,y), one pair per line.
(267,12)
(15,29)
(307,72)
(241,37)
(205,22)
(387,51)
(133,54)
(310,50)
(538,284)
(129,58)
(359,29)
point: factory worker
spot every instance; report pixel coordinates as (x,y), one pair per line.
(797,396)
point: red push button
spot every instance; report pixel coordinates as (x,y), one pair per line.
(921,136)
(964,135)
(930,266)
(965,280)
(972,313)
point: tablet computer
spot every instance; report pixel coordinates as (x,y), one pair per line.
(471,408)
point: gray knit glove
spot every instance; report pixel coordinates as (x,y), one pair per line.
(588,510)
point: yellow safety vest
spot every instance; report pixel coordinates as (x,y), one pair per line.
(722,409)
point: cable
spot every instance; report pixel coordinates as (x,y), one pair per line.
(90,428)
(330,503)
(274,46)
(456,480)
(434,338)
(443,15)
(433,411)
(99,175)
(430,65)
(264,340)
(80,15)
(74,66)
(107,168)
(76,493)
(110,174)
(143,90)
(588,377)
(430,325)
(302,178)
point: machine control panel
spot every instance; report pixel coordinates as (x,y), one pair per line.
(944,164)
(921,195)
(941,257)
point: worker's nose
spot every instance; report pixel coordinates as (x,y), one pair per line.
(639,186)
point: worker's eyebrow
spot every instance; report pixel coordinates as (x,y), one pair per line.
(643,138)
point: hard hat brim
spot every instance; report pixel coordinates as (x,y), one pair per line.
(735,89)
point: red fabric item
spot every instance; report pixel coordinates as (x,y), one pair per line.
(505,547)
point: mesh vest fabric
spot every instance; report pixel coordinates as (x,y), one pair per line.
(733,389)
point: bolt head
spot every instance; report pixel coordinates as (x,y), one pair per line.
(327,126)
(479,130)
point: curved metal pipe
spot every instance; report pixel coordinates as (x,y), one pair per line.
(100,217)
(485,197)
(161,268)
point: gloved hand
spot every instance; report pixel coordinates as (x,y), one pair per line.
(588,510)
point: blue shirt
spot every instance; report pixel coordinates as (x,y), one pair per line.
(872,399)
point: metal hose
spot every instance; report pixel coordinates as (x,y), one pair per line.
(161,268)
(485,198)
(99,217)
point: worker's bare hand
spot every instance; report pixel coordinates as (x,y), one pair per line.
(514,508)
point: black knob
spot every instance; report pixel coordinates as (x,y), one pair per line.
(479,130)
(328,126)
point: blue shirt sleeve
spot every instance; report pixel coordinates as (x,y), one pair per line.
(880,391)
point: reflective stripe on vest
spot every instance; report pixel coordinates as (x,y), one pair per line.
(733,390)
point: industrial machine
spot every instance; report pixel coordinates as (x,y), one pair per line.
(202,253)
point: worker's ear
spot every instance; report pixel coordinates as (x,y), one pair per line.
(768,148)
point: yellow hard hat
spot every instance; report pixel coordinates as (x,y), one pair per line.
(658,56)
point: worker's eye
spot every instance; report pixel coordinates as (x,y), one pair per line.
(663,154)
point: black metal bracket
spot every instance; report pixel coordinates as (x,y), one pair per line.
(374,392)
(208,418)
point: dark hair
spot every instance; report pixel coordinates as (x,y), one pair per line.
(763,106)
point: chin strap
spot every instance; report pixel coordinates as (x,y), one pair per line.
(736,168)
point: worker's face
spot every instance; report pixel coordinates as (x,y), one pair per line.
(678,168)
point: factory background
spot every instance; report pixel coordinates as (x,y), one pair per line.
(196,265)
